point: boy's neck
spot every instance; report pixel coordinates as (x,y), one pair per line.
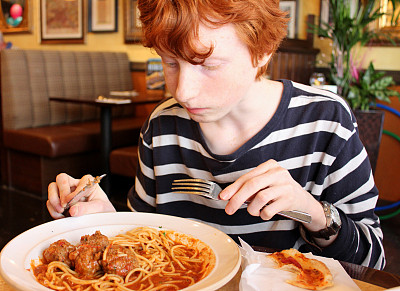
(229,134)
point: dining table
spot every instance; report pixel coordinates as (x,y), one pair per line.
(366,282)
(106,103)
(367,279)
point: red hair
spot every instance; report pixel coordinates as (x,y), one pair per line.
(172,26)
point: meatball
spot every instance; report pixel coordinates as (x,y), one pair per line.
(96,239)
(119,260)
(59,251)
(86,260)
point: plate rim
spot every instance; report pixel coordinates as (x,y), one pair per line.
(76,223)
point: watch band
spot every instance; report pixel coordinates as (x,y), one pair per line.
(333,222)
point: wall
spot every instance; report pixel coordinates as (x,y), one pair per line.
(110,41)
(387,167)
(382,56)
(385,58)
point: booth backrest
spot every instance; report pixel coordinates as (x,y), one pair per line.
(30,77)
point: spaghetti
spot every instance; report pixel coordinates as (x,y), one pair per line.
(141,259)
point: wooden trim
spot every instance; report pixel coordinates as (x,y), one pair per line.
(138,66)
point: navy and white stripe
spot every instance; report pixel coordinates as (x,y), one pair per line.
(313,134)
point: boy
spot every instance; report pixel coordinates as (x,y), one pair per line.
(280,144)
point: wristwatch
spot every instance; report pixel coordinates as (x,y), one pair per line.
(333,222)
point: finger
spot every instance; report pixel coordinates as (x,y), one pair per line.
(263,198)
(275,177)
(94,206)
(81,189)
(54,213)
(272,209)
(66,184)
(261,169)
(54,198)
(248,192)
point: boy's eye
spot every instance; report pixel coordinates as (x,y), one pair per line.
(210,67)
(170,64)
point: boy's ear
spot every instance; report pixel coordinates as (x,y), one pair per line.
(264,60)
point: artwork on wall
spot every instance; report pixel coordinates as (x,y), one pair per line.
(324,12)
(61,21)
(290,8)
(15,16)
(389,23)
(133,29)
(103,15)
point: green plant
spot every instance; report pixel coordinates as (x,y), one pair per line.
(348,28)
(368,86)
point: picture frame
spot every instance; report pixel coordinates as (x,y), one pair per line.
(389,23)
(20,25)
(324,12)
(133,29)
(61,22)
(290,7)
(103,16)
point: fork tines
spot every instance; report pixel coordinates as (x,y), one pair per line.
(192,186)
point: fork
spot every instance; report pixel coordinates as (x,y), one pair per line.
(82,193)
(211,190)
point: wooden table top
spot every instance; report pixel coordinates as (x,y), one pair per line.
(232,285)
(367,279)
(141,98)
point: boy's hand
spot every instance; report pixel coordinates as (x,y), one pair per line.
(271,189)
(65,188)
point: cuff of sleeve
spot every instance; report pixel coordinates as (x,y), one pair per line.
(346,237)
(308,238)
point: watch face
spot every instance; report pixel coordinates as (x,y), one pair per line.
(335,216)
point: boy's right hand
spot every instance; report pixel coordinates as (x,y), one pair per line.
(64,189)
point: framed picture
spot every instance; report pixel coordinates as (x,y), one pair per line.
(17,22)
(324,12)
(389,23)
(290,7)
(103,15)
(133,28)
(61,21)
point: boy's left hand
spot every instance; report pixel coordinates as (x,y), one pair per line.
(271,189)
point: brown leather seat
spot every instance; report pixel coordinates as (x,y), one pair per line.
(41,138)
(68,139)
(124,161)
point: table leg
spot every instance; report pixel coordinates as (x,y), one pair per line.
(106,142)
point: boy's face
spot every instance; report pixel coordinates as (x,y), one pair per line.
(222,86)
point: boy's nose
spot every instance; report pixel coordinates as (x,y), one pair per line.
(188,85)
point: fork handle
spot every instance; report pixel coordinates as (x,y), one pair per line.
(293,214)
(296,215)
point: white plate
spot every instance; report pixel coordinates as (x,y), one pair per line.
(16,256)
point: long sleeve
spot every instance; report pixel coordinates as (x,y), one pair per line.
(349,185)
(313,134)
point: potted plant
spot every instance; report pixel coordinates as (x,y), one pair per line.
(365,89)
(349,28)
(368,86)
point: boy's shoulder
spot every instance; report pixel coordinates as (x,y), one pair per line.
(314,94)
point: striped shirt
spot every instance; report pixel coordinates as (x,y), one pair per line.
(313,134)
